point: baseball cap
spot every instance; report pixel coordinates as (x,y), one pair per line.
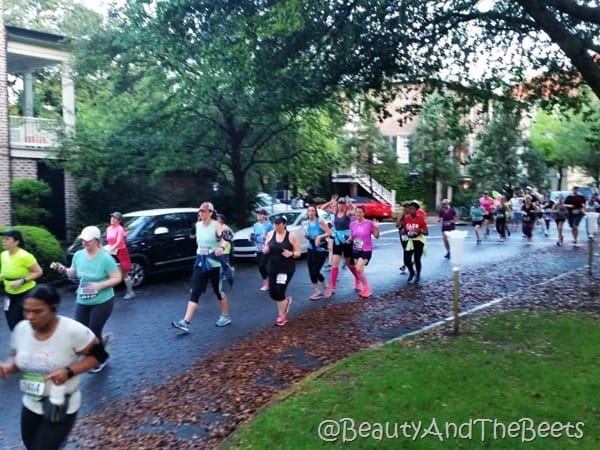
(341,200)
(117,215)
(445,201)
(261,211)
(89,233)
(15,234)
(280,218)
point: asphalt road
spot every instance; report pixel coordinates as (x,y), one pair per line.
(147,350)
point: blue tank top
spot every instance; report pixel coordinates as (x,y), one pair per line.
(313,229)
(206,238)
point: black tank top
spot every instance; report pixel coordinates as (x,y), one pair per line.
(278,263)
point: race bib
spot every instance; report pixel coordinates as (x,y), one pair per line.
(33,384)
(203,250)
(6,303)
(404,237)
(87,293)
(281,278)
(447,223)
(358,244)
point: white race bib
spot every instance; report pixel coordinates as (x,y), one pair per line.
(33,384)
(281,278)
(203,250)
(358,243)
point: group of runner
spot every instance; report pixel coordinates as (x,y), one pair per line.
(528,210)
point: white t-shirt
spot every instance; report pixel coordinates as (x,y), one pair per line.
(43,357)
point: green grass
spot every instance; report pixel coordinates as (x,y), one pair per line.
(509,368)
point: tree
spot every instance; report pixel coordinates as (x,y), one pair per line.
(440,130)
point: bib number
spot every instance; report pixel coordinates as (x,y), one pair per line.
(203,250)
(87,293)
(6,303)
(357,244)
(33,384)
(281,278)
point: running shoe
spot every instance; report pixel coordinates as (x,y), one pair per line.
(410,277)
(223,321)
(447,256)
(316,296)
(327,266)
(129,296)
(329,292)
(365,293)
(265,286)
(181,325)
(417,279)
(99,367)
(357,285)
(289,304)
(281,321)
(403,269)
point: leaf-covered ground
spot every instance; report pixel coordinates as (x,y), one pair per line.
(202,406)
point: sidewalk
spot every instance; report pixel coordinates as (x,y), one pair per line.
(199,408)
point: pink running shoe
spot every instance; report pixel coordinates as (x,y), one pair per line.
(365,293)
(357,285)
(329,292)
(281,321)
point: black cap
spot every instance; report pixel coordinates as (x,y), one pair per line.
(415,204)
(15,234)
(221,216)
(261,211)
(279,218)
(117,215)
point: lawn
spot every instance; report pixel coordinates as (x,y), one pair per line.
(514,380)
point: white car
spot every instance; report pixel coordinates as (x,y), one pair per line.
(244,247)
(270,204)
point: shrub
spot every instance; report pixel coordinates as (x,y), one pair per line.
(44,246)
(27,194)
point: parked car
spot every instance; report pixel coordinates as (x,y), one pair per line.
(158,240)
(585,191)
(272,205)
(244,247)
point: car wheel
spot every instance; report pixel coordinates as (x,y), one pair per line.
(137,273)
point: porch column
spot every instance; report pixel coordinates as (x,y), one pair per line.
(5,203)
(28,94)
(68,97)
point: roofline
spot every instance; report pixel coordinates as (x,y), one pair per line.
(40,38)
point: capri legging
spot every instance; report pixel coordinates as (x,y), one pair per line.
(315,261)
(277,287)
(40,434)
(200,279)
(94,316)
(415,254)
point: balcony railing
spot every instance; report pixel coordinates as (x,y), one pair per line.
(32,132)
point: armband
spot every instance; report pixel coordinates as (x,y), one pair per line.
(98,352)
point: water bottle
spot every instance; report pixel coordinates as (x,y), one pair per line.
(56,394)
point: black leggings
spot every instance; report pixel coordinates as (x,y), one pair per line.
(40,434)
(501,226)
(261,261)
(94,316)
(15,311)
(415,254)
(277,290)
(200,279)
(315,261)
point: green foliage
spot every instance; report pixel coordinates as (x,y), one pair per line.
(27,195)
(44,246)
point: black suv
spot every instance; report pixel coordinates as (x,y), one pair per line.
(158,240)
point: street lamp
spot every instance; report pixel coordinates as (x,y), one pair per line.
(591,221)
(456,239)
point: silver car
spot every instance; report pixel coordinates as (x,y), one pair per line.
(244,247)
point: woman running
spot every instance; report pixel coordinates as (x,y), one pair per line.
(415,228)
(560,215)
(529,212)
(361,231)
(317,231)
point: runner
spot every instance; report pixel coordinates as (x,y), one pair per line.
(343,210)
(260,229)
(415,228)
(477,219)
(50,351)
(403,237)
(317,232)
(546,206)
(529,216)
(500,218)
(207,267)
(515,211)
(560,211)
(487,203)
(98,274)
(448,217)
(361,231)
(282,247)
(116,245)
(575,202)
(18,271)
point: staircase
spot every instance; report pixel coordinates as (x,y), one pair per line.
(369,184)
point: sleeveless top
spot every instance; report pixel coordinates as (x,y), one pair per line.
(341,229)
(277,263)
(206,238)
(313,229)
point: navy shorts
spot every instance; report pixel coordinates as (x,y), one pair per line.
(360,254)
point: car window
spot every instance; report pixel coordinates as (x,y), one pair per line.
(175,222)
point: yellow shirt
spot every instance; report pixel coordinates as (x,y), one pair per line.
(15,267)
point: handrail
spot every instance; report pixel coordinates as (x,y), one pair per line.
(33,132)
